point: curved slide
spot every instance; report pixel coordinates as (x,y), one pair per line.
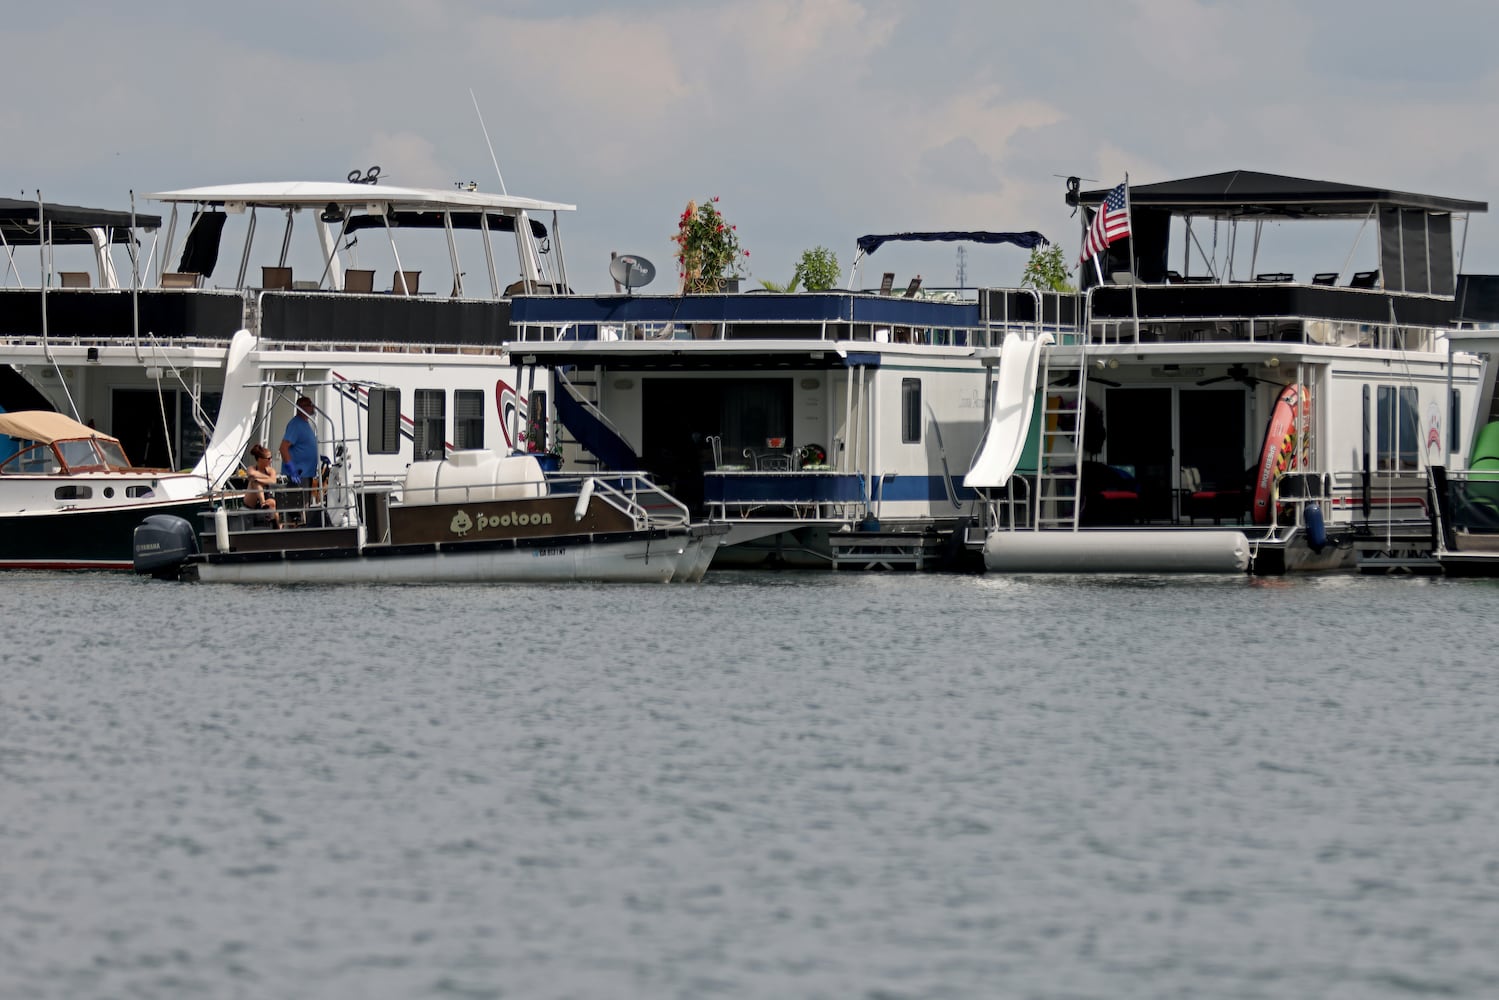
(235,423)
(1014,403)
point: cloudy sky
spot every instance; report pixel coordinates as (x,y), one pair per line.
(814,121)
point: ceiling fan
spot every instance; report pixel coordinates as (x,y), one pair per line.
(1238,373)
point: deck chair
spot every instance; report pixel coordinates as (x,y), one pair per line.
(405,282)
(358,280)
(887,282)
(1325,278)
(1275,276)
(181,279)
(74,279)
(1364,279)
(913,287)
(275,279)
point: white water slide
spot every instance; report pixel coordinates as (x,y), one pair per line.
(239,405)
(1014,403)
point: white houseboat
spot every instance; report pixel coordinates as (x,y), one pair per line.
(826,429)
(1208,414)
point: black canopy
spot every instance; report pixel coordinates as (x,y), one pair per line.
(68,223)
(1249,192)
(1026,241)
(1415,230)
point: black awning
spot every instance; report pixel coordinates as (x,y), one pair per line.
(1252,193)
(1028,240)
(69,224)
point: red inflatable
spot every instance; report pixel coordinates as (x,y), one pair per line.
(1283,449)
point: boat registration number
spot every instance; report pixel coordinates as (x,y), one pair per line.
(542,553)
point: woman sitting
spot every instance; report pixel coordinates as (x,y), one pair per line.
(261,477)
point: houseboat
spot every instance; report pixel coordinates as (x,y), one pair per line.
(826,429)
(1210,411)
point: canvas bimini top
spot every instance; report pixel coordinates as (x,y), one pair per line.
(27,223)
(45,426)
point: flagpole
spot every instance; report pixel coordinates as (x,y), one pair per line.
(1134,279)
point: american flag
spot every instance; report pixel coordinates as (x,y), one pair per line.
(1110,224)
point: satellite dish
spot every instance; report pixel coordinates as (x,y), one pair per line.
(632,270)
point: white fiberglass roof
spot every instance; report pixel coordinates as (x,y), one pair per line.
(282,193)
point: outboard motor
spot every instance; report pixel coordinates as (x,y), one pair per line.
(163,544)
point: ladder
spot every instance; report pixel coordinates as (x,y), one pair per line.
(1063,412)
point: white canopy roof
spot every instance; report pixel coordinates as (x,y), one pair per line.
(45,426)
(283,193)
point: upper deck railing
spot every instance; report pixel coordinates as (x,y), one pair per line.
(1261,312)
(292,319)
(1112,314)
(810,316)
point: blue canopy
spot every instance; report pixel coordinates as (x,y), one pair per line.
(1026,241)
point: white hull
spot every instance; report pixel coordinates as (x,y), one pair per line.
(653,560)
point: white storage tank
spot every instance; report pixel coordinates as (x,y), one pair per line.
(471,476)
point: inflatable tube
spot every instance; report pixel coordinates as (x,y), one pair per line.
(1124,551)
(1282,449)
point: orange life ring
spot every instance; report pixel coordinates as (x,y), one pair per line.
(1283,450)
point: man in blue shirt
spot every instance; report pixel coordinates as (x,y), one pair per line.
(299,461)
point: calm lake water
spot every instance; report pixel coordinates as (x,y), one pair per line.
(770,785)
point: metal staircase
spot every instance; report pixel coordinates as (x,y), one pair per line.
(584,383)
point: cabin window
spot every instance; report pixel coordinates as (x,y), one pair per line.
(385,422)
(468,419)
(73,492)
(429,419)
(136,492)
(39,459)
(910,410)
(1398,428)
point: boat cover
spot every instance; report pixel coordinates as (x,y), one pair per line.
(45,426)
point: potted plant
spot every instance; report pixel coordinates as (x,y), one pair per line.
(817,271)
(709,256)
(537,443)
(1046,270)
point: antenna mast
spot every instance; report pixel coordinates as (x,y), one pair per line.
(493,159)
